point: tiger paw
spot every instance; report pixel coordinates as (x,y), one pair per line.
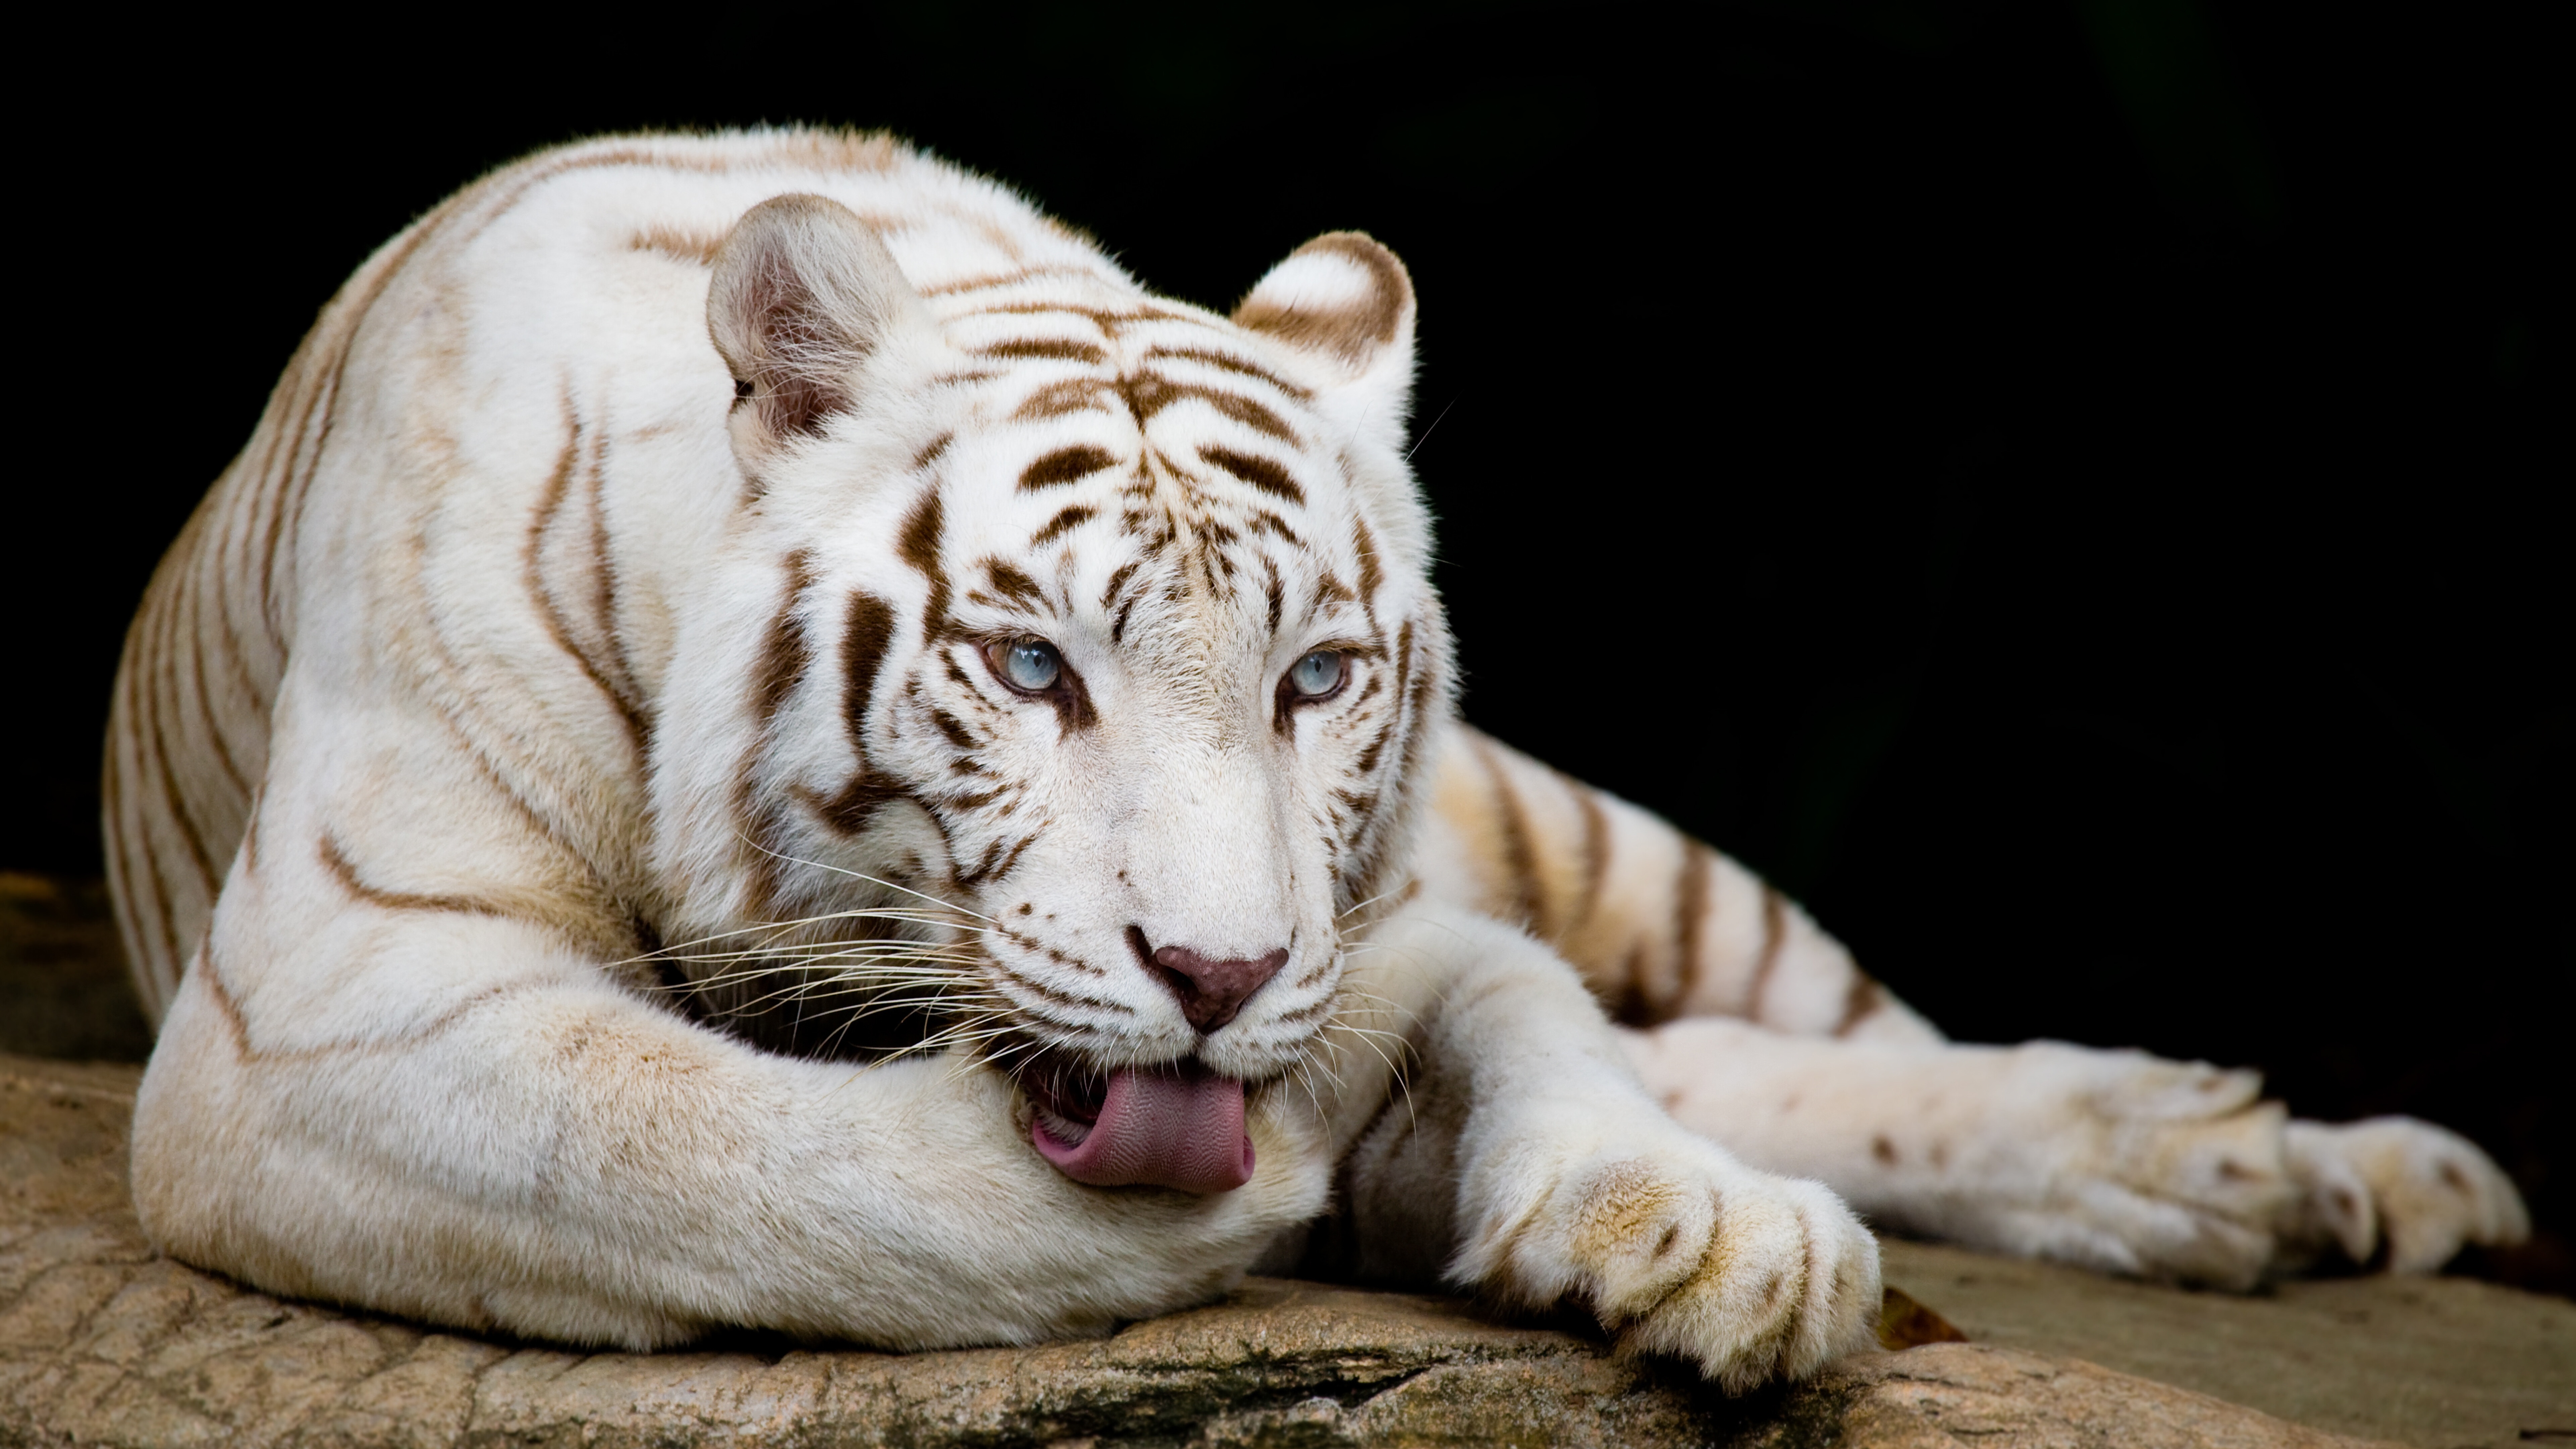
(2427,1191)
(1678,1249)
(2126,1163)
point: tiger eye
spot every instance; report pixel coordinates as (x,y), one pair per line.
(1318,674)
(1031,665)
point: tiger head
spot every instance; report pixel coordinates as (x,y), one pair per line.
(1092,662)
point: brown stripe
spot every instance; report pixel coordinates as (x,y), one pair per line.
(1232,364)
(686,247)
(1366,763)
(230,564)
(1065,465)
(995,863)
(918,544)
(1054,348)
(312,379)
(286,515)
(337,862)
(1106,320)
(250,835)
(1065,521)
(1261,473)
(1860,1001)
(229,1009)
(255,508)
(1148,393)
(1775,931)
(864,640)
(222,569)
(1690,917)
(166,924)
(1403,664)
(1364,544)
(784,656)
(1631,1007)
(244,680)
(1117,579)
(1011,583)
(211,722)
(1005,279)
(1047,993)
(156,702)
(1596,850)
(620,680)
(954,728)
(1529,907)
(865,637)
(1056,399)
(533,578)
(1361,878)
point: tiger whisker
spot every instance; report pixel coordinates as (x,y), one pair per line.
(903,915)
(861,875)
(851,963)
(1373,900)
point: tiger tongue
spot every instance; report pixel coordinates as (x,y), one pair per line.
(1165,1128)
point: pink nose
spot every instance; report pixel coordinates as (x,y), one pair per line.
(1212,991)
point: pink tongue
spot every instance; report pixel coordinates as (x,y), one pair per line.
(1161,1128)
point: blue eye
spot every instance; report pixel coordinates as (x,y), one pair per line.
(1029,665)
(1316,675)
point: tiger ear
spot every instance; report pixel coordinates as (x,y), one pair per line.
(1346,304)
(803,295)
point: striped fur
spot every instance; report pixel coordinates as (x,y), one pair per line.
(1660,925)
(597,876)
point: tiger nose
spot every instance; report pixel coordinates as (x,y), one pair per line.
(1210,990)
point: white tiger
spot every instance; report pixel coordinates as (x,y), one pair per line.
(761,737)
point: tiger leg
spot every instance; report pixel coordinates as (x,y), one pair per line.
(1518,1157)
(433,1106)
(2113,1160)
(1676,938)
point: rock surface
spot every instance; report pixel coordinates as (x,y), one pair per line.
(103,1342)
(2439,1362)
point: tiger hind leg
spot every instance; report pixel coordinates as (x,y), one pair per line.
(2111,1160)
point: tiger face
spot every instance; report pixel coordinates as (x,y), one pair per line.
(1097,667)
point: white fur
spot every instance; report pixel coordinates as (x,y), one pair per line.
(554,658)
(417,1063)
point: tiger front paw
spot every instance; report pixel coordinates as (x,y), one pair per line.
(1678,1249)
(2427,1190)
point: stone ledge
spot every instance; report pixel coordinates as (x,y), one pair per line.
(102,1342)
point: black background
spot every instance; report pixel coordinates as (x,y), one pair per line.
(2071,491)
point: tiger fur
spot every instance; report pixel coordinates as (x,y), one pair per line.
(745,683)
